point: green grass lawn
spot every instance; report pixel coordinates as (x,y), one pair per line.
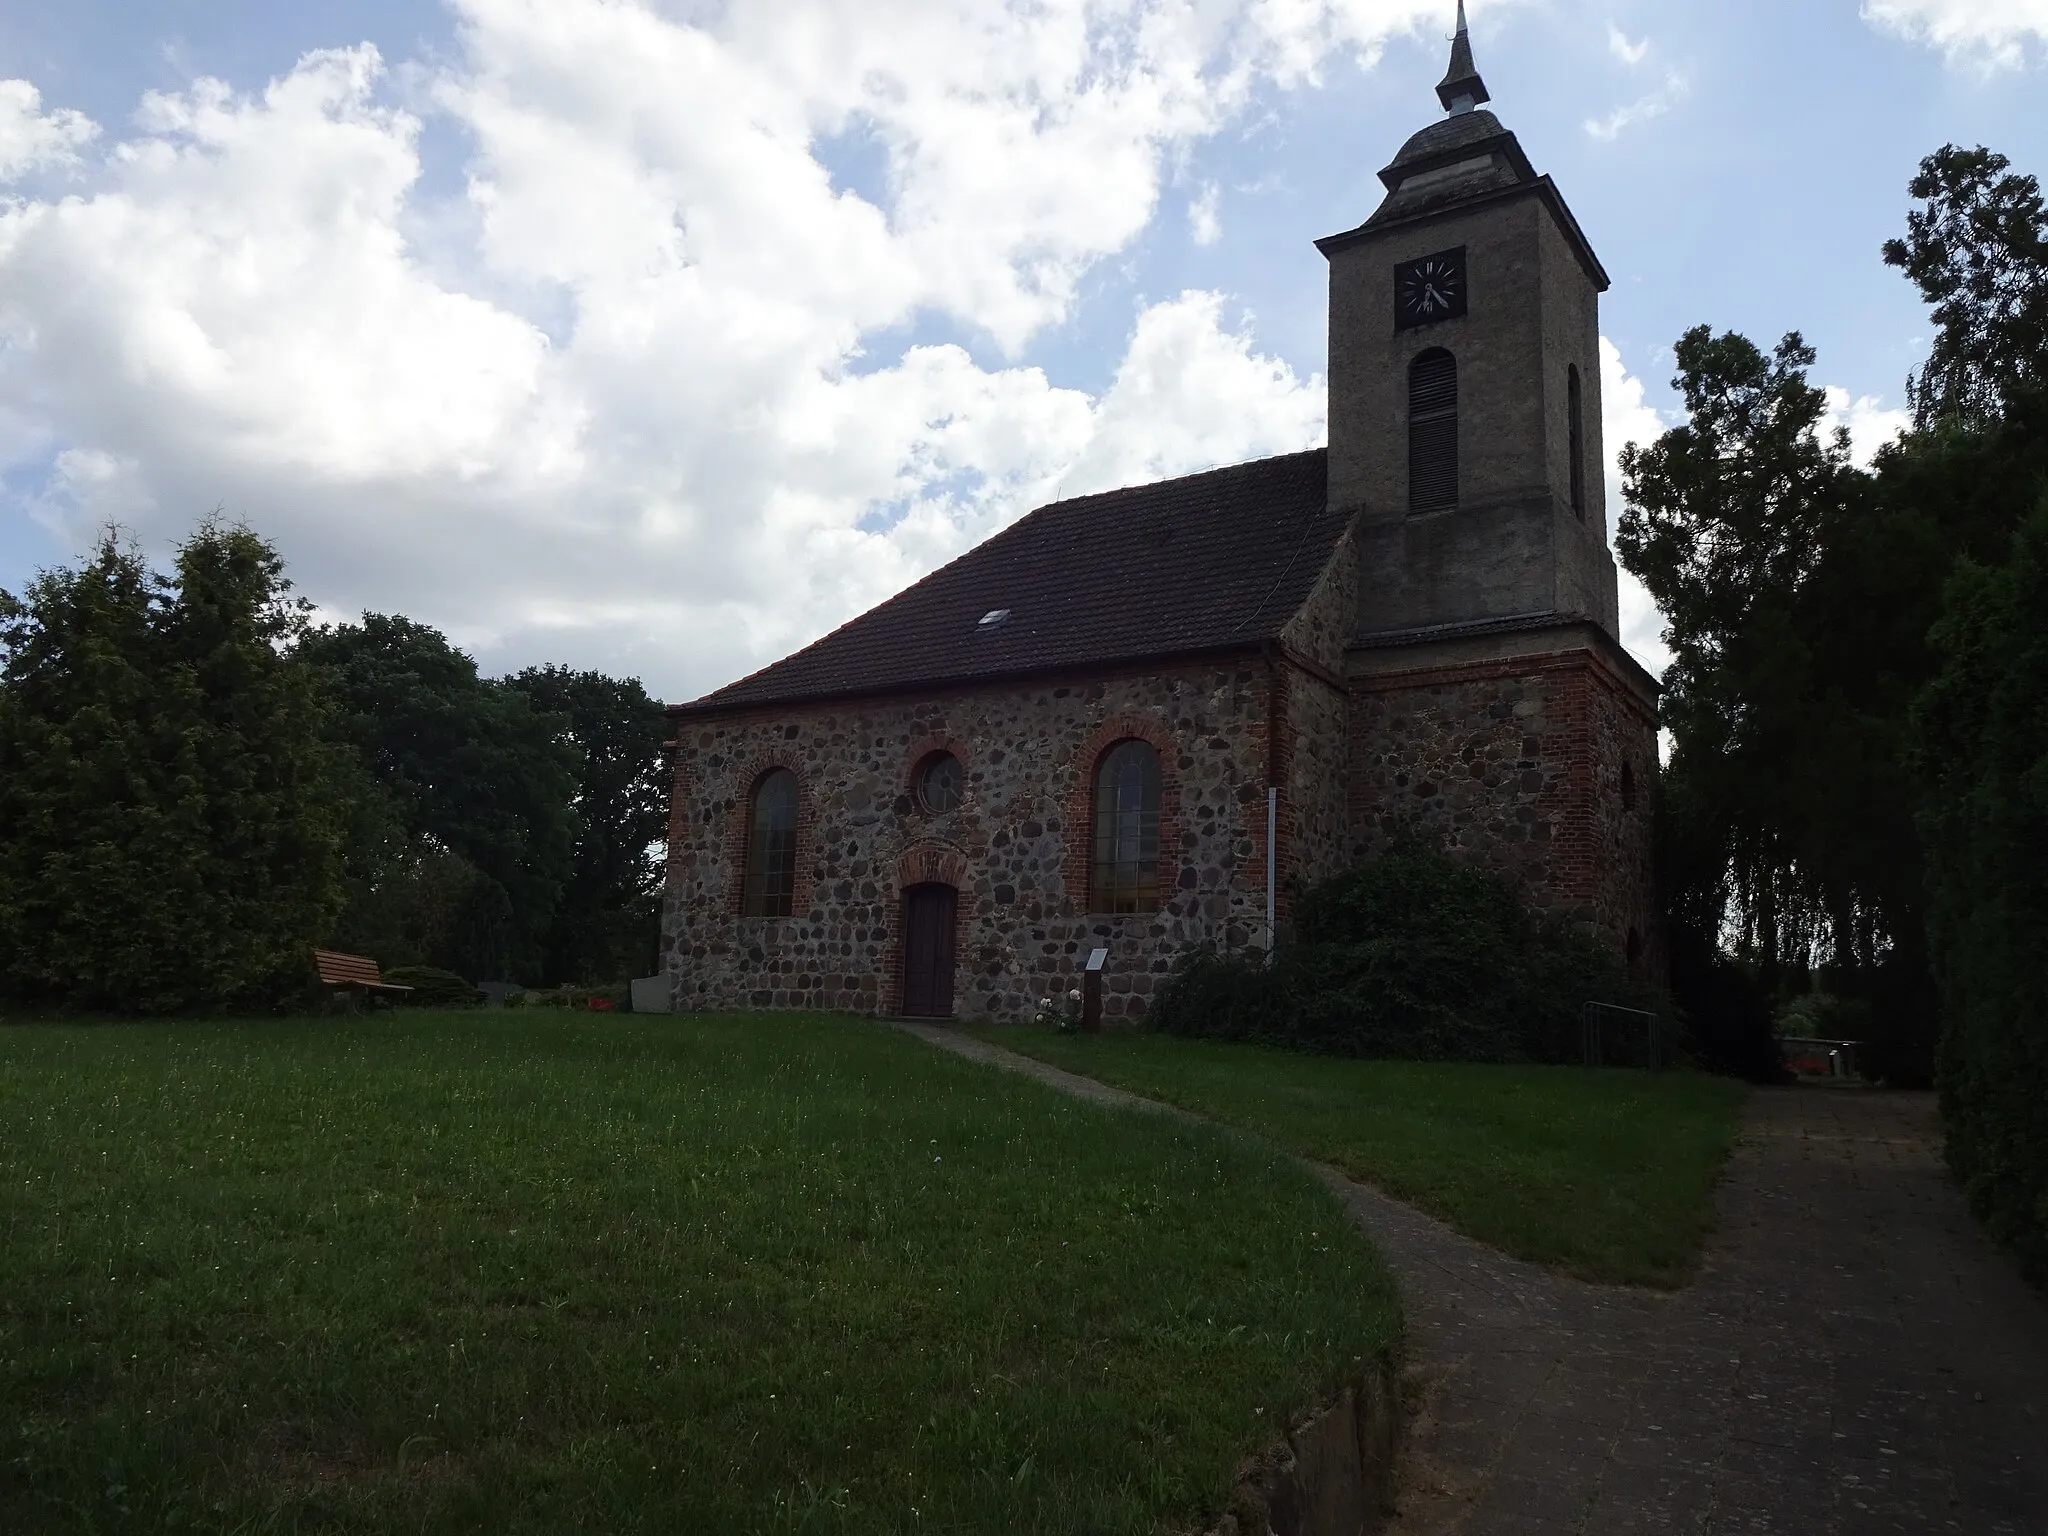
(528,1272)
(1608,1175)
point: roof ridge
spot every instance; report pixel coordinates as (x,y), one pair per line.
(1154,485)
(1165,566)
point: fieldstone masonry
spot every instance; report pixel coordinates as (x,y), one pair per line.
(1540,766)
(1029,754)
(1519,763)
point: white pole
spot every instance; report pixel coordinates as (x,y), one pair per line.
(1272,859)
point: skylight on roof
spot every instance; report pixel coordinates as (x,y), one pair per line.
(992,618)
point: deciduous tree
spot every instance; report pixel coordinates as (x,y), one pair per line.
(605,923)
(465,864)
(1977,249)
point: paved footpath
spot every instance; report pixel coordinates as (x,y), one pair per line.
(1853,1358)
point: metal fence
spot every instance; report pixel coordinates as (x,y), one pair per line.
(1613,1036)
(1810,1057)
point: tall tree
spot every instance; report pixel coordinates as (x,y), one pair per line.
(168,838)
(480,788)
(1978,469)
(1977,249)
(606,923)
(1727,522)
(1801,592)
(1799,596)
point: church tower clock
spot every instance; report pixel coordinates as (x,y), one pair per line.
(1493,708)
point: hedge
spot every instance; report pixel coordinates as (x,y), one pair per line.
(1413,955)
(1983,731)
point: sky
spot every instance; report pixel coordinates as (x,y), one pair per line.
(661,337)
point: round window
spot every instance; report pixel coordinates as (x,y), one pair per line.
(941,782)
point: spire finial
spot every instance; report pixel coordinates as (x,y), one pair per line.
(1461,89)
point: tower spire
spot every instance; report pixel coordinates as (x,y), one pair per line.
(1461,88)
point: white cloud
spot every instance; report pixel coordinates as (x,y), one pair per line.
(33,140)
(1994,34)
(238,294)
(1192,393)
(1630,53)
(1621,119)
(1871,423)
(613,403)
(1628,417)
(1204,226)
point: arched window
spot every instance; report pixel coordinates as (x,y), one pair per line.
(1576,403)
(1127,829)
(1433,432)
(771,846)
(1628,786)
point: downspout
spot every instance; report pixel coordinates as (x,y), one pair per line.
(1272,848)
(1275,721)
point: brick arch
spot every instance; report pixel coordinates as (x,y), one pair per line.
(931,863)
(806,835)
(1078,865)
(928,863)
(922,748)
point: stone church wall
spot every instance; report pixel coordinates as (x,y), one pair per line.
(1625,772)
(1029,751)
(1519,762)
(1320,631)
(1315,809)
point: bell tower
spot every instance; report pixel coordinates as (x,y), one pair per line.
(1493,711)
(1465,383)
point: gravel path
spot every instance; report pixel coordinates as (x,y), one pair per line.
(1852,1358)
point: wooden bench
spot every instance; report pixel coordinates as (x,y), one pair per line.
(356,974)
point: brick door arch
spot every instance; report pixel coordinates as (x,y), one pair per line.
(926,867)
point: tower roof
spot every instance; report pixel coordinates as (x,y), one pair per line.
(1461,88)
(1460,162)
(1473,141)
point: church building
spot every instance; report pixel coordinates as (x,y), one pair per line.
(1144,720)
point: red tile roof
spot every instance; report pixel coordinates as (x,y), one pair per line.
(1202,563)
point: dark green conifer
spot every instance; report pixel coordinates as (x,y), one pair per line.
(168,836)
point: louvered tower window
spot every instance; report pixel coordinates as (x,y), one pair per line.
(1433,432)
(1577,405)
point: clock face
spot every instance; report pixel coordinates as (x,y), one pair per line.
(1429,289)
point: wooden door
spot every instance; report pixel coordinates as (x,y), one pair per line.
(928,912)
